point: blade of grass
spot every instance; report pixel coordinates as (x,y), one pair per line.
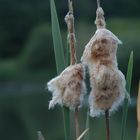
(138,114)
(66,116)
(126,102)
(59,58)
(57,39)
(82,135)
(87,137)
(129,73)
(40,136)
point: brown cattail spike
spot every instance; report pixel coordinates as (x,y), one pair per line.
(69,18)
(100,20)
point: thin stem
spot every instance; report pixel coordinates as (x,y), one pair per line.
(87,136)
(77,123)
(107,125)
(69,18)
(138,107)
(70,6)
(98,3)
(138,114)
(66,116)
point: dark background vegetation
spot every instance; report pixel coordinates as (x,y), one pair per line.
(27,63)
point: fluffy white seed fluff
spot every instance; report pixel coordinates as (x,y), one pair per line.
(107,81)
(108,91)
(68,88)
(104,38)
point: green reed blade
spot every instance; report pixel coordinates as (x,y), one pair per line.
(126,102)
(57,39)
(138,115)
(60,62)
(87,136)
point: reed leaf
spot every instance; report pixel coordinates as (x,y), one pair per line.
(126,102)
(87,137)
(138,114)
(60,62)
(82,135)
(57,39)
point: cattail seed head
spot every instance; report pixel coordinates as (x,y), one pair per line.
(100,20)
(68,88)
(108,89)
(102,46)
(107,81)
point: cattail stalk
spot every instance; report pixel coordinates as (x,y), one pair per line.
(69,18)
(98,3)
(77,123)
(100,23)
(107,125)
(138,114)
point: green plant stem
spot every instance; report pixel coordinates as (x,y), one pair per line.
(126,102)
(87,135)
(66,116)
(138,114)
(98,3)
(77,123)
(107,125)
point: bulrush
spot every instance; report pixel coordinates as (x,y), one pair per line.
(107,81)
(68,88)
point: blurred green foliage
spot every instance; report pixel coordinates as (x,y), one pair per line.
(21,116)
(138,135)
(38,52)
(18,18)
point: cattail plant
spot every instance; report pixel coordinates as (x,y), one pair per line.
(107,81)
(108,85)
(69,87)
(138,114)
